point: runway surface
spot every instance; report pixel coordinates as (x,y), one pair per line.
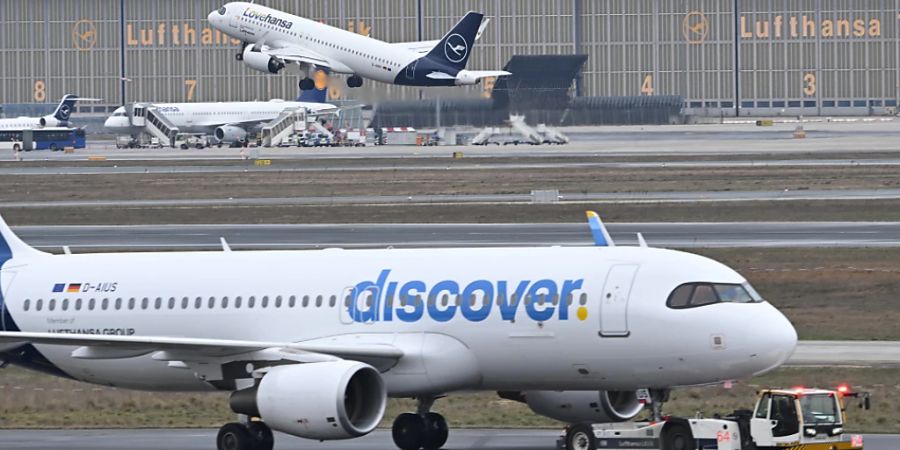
(273,236)
(846,353)
(379,440)
(299,167)
(592,197)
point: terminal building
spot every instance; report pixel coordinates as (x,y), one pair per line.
(723,57)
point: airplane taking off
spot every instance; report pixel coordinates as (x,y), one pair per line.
(312,342)
(273,38)
(227,121)
(59,117)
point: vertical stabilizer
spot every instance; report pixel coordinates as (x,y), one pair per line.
(13,247)
(456,46)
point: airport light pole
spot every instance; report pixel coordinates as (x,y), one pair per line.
(737,58)
(122,77)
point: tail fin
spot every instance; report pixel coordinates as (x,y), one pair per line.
(11,246)
(65,108)
(454,49)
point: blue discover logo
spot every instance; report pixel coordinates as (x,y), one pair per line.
(372,301)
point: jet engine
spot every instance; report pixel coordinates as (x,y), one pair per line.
(261,62)
(580,406)
(50,121)
(326,400)
(466,78)
(230,133)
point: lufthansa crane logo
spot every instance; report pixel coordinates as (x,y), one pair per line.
(64,112)
(456,48)
(695,27)
(84,35)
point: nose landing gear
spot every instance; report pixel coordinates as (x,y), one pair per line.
(421,430)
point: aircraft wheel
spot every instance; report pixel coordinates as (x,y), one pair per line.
(354,81)
(678,436)
(408,431)
(262,434)
(234,436)
(436,431)
(580,437)
(307,84)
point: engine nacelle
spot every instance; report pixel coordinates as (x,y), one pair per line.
(327,400)
(50,121)
(261,62)
(466,78)
(230,133)
(585,406)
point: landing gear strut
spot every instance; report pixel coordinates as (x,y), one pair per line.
(421,430)
(354,81)
(307,84)
(250,436)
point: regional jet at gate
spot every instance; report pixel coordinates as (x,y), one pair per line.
(312,342)
(273,38)
(228,122)
(59,118)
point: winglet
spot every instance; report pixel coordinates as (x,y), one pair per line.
(601,235)
(11,246)
(641,241)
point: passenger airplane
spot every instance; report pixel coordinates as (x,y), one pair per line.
(273,38)
(227,121)
(311,343)
(59,118)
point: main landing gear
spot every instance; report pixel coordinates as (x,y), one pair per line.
(354,81)
(249,436)
(421,430)
(307,84)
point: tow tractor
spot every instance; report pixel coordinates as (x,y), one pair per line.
(783,419)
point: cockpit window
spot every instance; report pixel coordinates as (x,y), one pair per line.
(222,11)
(692,295)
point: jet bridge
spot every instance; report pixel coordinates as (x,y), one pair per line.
(290,121)
(154,124)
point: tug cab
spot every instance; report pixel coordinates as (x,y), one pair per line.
(790,418)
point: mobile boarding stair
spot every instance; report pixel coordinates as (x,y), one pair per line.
(154,124)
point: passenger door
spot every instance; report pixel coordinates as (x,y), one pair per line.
(614,300)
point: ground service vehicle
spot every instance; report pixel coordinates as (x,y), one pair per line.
(785,419)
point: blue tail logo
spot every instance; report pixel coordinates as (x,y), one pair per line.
(456,49)
(65,108)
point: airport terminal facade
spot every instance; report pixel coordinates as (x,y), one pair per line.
(762,56)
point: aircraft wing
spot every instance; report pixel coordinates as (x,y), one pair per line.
(108,346)
(296,53)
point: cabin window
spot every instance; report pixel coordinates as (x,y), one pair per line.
(39,304)
(332,301)
(91,304)
(582,299)
(264,302)
(184,303)
(319,301)
(131,303)
(212,302)
(26,304)
(224,302)
(305,301)
(118,304)
(251,302)
(278,301)
(78,304)
(64,304)
(237,302)
(292,301)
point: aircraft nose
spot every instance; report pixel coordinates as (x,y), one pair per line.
(777,339)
